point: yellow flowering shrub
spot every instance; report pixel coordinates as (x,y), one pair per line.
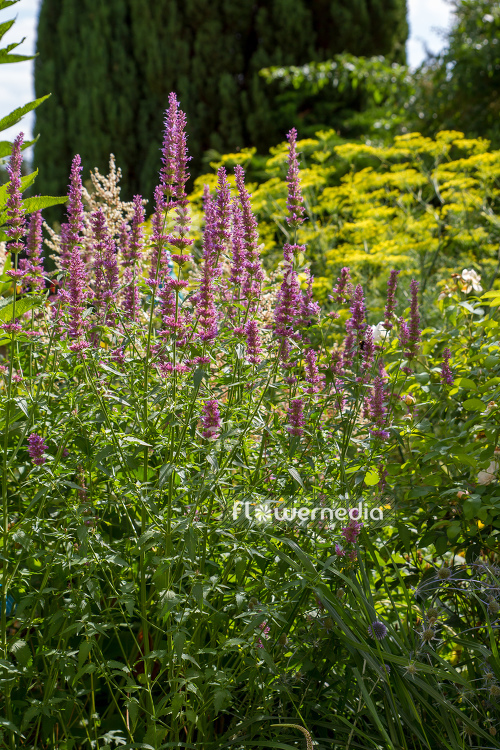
(426,205)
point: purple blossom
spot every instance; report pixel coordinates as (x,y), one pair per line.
(343,291)
(309,309)
(211,420)
(204,299)
(105,263)
(237,272)
(159,238)
(169,149)
(339,551)
(132,245)
(357,322)
(368,353)
(313,376)
(377,630)
(16,220)
(446,371)
(295,200)
(412,332)
(390,305)
(76,294)
(253,267)
(222,216)
(289,301)
(172,189)
(33,263)
(254,344)
(352,531)
(75,204)
(404,333)
(296,417)
(376,407)
(265,633)
(36,449)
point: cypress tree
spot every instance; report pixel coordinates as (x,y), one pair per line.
(110,65)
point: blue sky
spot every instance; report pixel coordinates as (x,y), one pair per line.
(426,18)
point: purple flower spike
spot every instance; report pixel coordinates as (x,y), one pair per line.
(376,407)
(76,294)
(295,200)
(211,420)
(252,263)
(289,302)
(105,264)
(237,273)
(446,371)
(357,322)
(412,333)
(414,316)
(377,630)
(313,376)
(343,291)
(33,263)
(296,417)
(75,204)
(136,244)
(36,449)
(254,344)
(352,531)
(390,306)
(222,218)
(168,151)
(309,309)
(15,211)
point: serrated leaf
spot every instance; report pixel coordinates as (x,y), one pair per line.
(165,472)
(42,201)
(13,118)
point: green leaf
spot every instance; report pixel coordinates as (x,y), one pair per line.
(474,404)
(372,477)
(25,183)
(165,472)
(13,118)
(295,474)
(466,383)
(42,201)
(222,698)
(22,306)
(179,640)
(5,26)
(83,652)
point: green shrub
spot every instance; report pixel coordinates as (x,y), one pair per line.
(429,206)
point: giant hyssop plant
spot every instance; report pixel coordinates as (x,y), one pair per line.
(177,432)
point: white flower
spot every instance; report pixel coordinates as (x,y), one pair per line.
(472,281)
(379,333)
(490,475)
(488,18)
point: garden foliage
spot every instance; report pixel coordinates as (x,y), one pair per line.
(428,206)
(165,402)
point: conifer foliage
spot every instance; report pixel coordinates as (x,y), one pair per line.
(110,66)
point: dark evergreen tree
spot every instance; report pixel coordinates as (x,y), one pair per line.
(110,65)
